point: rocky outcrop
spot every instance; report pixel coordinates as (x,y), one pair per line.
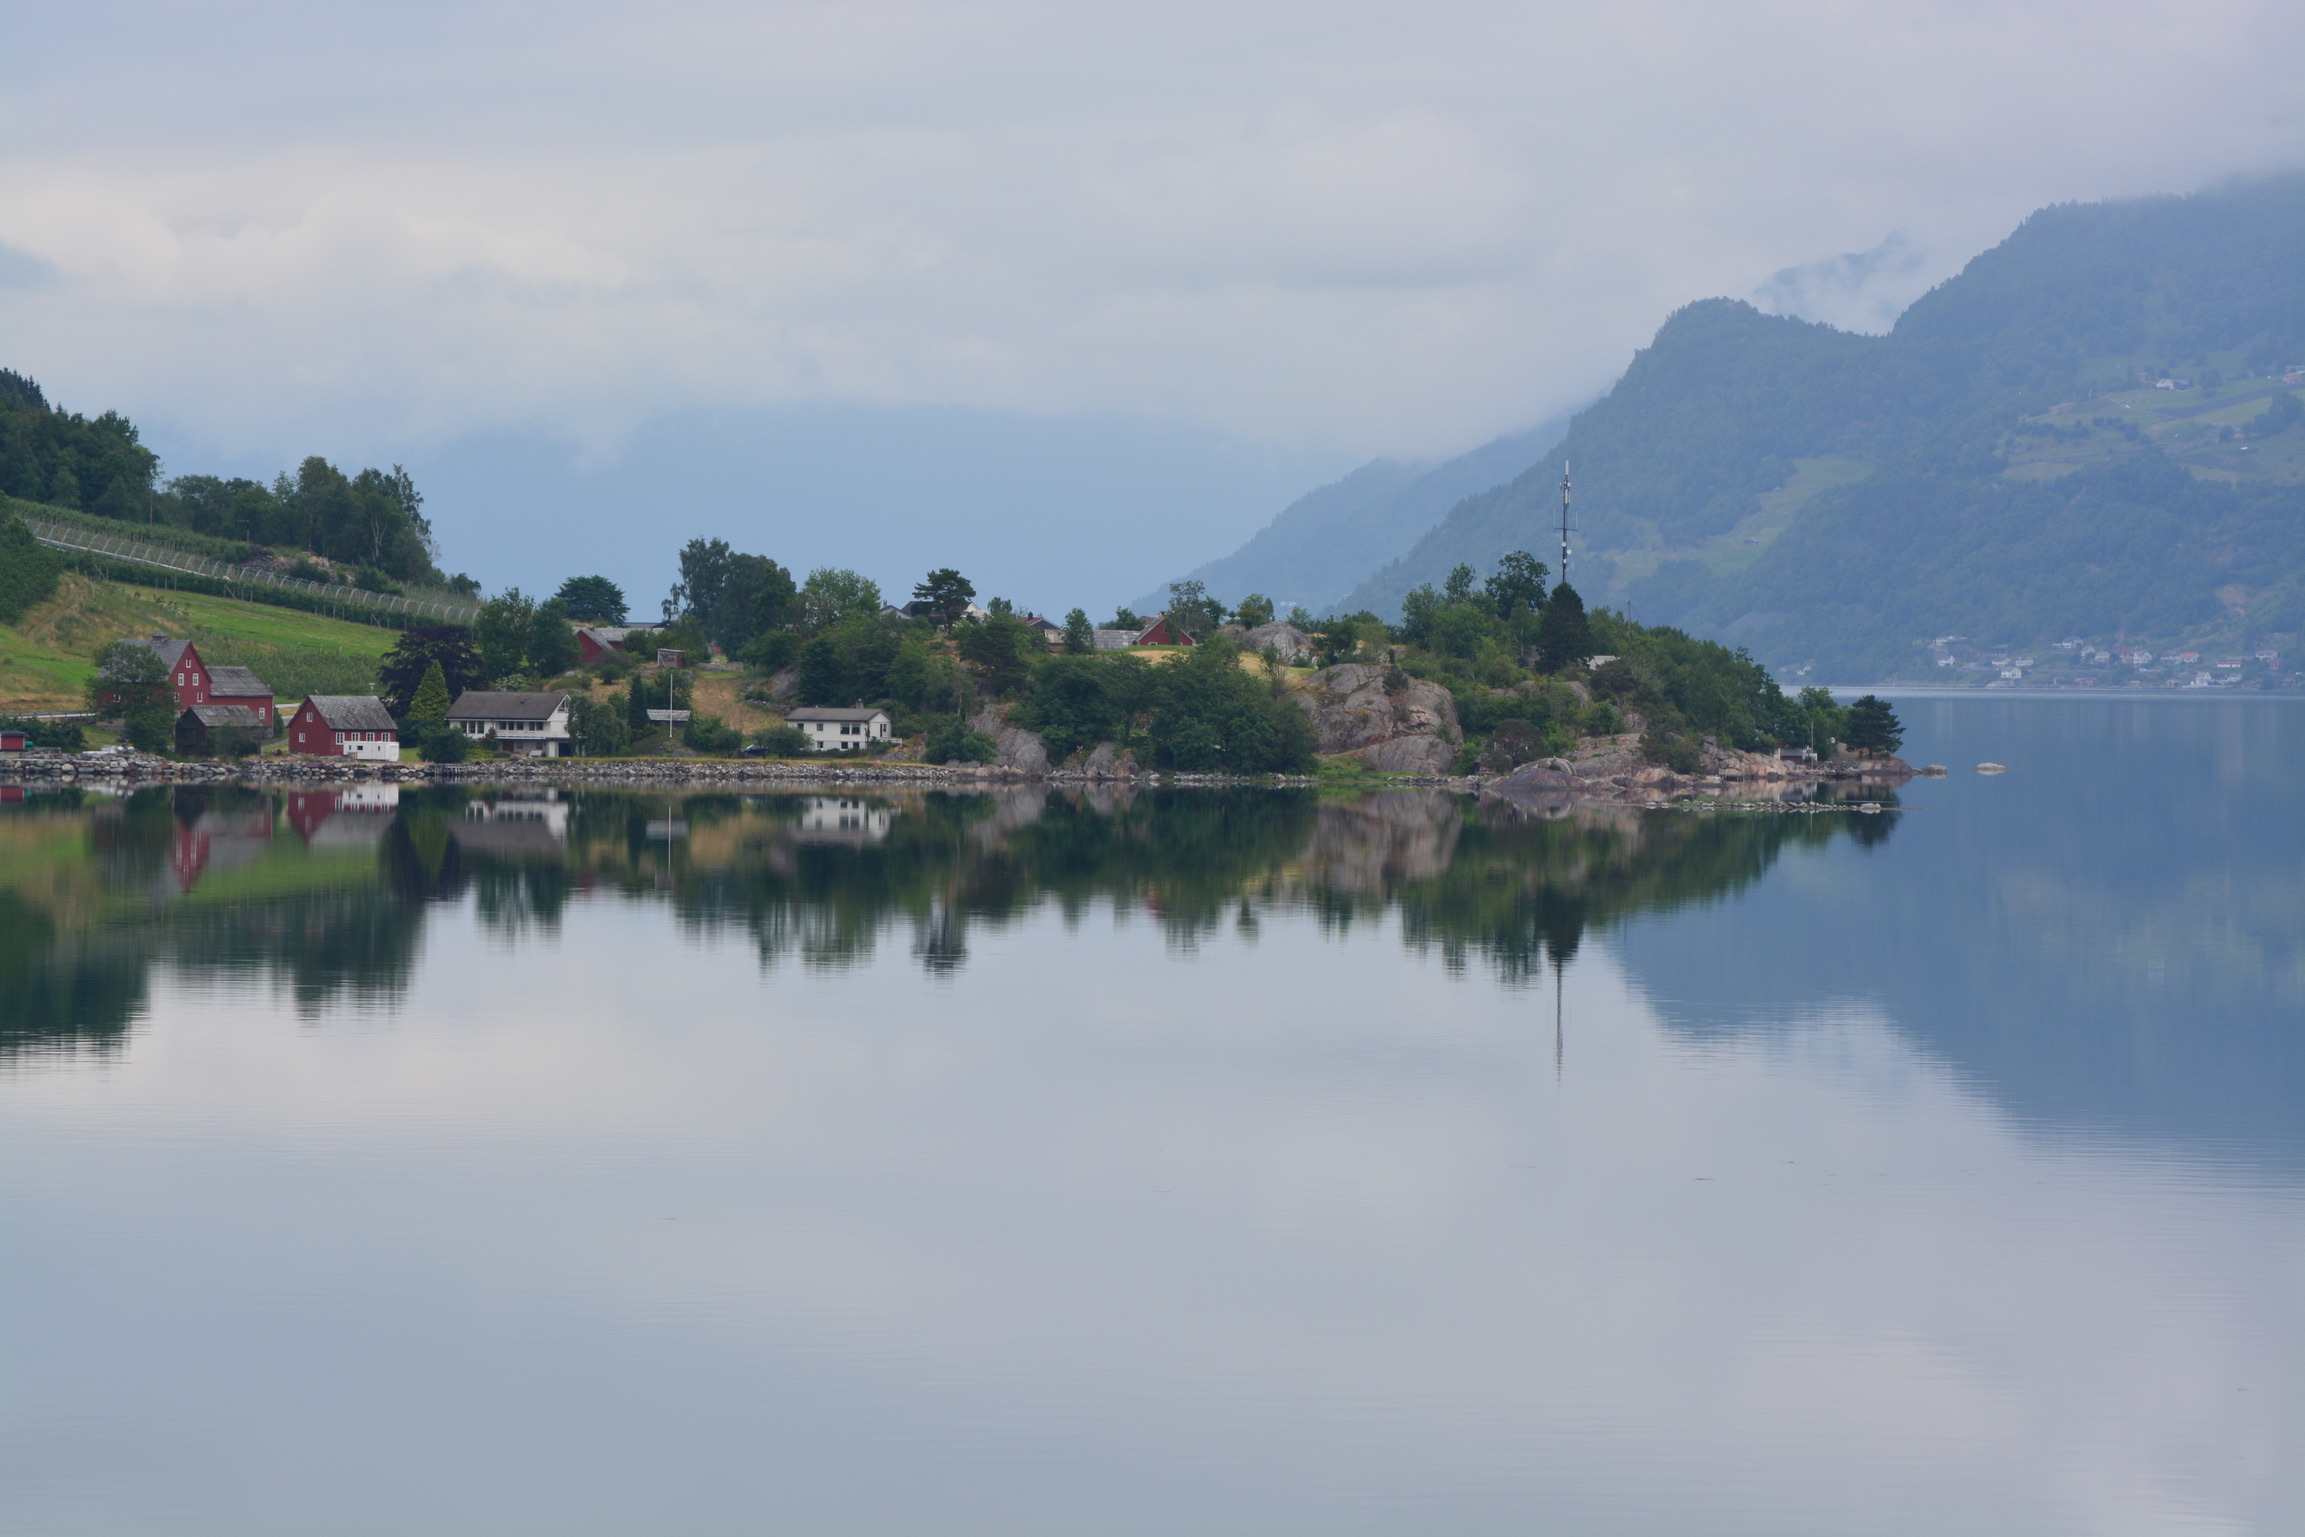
(1109,762)
(1015,747)
(1292,644)
(1387,720)
(1615,768)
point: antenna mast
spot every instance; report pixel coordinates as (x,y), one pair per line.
(1564,520)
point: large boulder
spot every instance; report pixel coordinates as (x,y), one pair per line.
(1291,643)
(1016,747)
(1106,761)
(1409,727)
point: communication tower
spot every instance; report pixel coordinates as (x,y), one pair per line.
(1565,525)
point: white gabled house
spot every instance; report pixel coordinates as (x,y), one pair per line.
(526,725)
(833,730)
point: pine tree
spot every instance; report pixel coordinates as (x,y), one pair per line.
(430,706)
(1874,729)
(1563,637)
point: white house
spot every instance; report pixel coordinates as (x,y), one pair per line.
(526,725)
(833,730)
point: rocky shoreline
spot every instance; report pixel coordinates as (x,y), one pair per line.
(1605,769)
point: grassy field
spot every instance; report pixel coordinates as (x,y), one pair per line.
(48,656)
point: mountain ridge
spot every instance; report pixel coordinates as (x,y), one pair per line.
(1742,459)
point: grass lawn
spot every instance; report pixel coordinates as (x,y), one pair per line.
(48,656)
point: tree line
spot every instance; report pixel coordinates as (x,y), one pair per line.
(371,521)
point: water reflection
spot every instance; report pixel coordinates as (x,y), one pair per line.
(325,892)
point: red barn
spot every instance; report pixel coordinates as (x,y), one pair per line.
(344,726)
(196,683)
(1161,633)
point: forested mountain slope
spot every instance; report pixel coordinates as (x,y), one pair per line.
(2000,465)
(1328,539)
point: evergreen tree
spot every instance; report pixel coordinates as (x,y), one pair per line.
(430,706)
(1874,729)
(1563,636)
(404,666)
(1079,634)
(947,594)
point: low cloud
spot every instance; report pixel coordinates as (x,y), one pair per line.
(1375,231)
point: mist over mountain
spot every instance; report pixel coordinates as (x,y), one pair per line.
(2004,463)
(1325,541)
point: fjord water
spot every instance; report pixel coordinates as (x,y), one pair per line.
(1244,1161)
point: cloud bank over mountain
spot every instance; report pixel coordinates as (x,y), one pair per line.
(376,231)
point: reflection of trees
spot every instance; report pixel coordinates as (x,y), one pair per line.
(52,1000)
(214,882)
(1521,889)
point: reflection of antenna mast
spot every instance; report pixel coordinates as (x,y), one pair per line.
(1564,520)
(1556,1021)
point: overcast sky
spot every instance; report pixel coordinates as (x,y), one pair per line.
(1279,238)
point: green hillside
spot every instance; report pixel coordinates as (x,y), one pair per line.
(48,654)
(1998,466)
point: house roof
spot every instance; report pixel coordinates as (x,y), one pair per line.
(168,650)
(236,680)
(214,715)
(828,713)
(352,712)
(476,705)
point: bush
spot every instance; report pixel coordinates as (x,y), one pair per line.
(952,742)
(1675,752)
(782,742)
(58,735)
(444,744)
(710,735)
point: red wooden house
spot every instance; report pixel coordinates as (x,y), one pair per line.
(1161,633)
(197,683)
(344,726)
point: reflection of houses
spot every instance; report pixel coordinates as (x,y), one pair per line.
(355,818)
(515,826)
(841,819)
(218,840)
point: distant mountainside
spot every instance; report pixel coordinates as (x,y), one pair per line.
(2000,465)
(1328,539)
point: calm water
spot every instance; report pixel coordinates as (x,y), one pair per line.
(1198,1163)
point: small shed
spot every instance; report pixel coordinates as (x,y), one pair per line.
(207,729)
(14,741)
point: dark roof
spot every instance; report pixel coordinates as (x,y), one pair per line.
(352,712)
(476,705)
(214,715)
(168,650)
(827,712)
(236,680)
